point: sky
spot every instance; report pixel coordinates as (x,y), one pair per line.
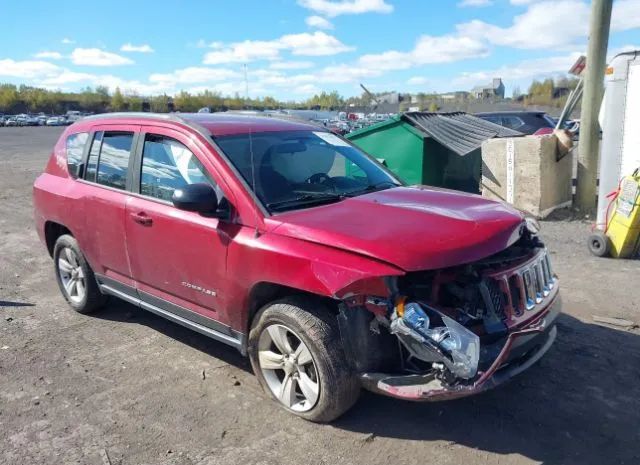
(292,49)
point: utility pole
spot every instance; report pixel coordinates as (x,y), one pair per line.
(591,99)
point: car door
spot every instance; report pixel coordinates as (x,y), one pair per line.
(107,175)
(178,258)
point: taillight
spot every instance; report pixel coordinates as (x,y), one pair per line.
(543,131)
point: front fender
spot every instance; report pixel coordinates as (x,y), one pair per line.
(315,268)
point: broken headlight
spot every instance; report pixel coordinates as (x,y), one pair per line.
(449,343)
(532,225)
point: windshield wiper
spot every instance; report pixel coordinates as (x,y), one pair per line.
(372,188)
(306,199)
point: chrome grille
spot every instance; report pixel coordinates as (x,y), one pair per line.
(526,286)
(537,281)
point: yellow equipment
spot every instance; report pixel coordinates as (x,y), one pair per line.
(621,237)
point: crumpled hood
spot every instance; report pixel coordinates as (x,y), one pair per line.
(413,228)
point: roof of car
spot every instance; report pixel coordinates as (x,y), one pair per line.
(510,112)
(218,124)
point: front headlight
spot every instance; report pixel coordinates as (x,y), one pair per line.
(464,347)
(532,225)
(452,339)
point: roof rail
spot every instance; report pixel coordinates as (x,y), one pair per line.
(136,114)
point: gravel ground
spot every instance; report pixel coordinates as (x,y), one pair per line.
(127,387)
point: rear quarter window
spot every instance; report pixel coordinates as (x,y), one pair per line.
(75,148)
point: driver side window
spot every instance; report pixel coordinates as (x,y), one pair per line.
(168,165)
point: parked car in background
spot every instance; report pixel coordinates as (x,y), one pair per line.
(11,121)
(56,121)
(526,122)
(72,116)
(290,244)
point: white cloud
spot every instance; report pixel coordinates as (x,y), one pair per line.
(315,44)
(28,69)
(68,41)
(332,8)
(339,74)
(242,52)
(49,55)
(144,48)
(318,22)
(546,24)
(97,57)
(537,68)
(310,44)
(67,77)
(307,90)
(475,3)
(417,81)
(291,65)
(193,75)
(428,50)
(625,15)
(551,24)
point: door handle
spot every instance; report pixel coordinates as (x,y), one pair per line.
(141,218)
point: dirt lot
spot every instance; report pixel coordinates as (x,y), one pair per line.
(126,387)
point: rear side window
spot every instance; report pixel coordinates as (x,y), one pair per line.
(92,163)
(493,119)
(168,165)
(108,162)
(75,149)
(512,122)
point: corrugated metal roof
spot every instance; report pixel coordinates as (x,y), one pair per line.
(458,131)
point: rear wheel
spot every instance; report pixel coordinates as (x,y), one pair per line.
(75,277)
(296,353)
(599,244)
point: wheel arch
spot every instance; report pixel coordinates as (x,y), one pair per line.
(52,231)
(265,292)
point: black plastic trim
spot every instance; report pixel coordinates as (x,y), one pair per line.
(161,307)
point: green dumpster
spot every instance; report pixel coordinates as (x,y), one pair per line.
(436,149)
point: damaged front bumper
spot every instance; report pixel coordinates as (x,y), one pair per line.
(522,349)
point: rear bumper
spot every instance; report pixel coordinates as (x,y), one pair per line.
(520,351)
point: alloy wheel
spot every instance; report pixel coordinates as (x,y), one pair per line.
(288,368)
(72,275)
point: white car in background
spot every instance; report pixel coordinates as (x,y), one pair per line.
(56,121)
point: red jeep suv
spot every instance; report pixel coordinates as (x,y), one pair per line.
(287,242)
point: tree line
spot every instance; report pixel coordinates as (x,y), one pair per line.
(547,92)
(23,99)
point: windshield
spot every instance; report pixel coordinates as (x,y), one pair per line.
(300,169)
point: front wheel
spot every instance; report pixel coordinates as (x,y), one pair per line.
(296,353)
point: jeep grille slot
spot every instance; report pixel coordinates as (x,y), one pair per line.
(526,286)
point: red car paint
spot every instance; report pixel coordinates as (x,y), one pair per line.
(437,228)
(333,250)
(543,131)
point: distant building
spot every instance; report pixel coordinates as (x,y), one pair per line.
(457,95)
(494,89)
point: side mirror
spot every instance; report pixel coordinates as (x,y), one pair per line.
(199,197)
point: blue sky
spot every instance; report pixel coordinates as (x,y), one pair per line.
(295,48)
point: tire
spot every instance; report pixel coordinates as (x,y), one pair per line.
(599,244)
(314,325)
(67,252)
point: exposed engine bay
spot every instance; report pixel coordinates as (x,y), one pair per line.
(450,326)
